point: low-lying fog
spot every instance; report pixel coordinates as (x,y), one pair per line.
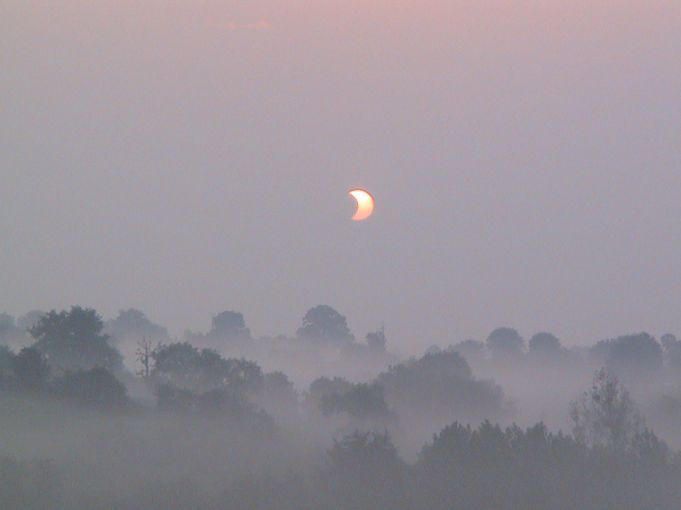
(116,414)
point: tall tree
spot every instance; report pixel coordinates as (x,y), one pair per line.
(74,340)
(606,416)
(323,323)
(505,344)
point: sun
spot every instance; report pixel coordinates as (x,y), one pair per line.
(365,203)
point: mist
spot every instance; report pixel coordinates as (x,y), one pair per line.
(116,413)
(191,319)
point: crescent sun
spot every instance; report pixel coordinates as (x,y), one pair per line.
(365,203)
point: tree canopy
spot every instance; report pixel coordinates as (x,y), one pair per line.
(73,339)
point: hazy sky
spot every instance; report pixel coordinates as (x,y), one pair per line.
(191,157)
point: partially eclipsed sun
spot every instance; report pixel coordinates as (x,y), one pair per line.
(365,204)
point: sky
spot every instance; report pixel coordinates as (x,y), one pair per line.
(191,157)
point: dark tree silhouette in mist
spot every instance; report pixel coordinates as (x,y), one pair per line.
(185,366)
(364,403)
(30,369)
(366,472)
(74,340)
(635,357)
(377,341)
(96,387)
(505,344)
(229,325)
(471,350)
(440,386)
(546,348)
(323,323)
(132,323)
(606,416)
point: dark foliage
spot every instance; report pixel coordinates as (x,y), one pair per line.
(74,340)
(185,366)
(324,324)
(505,344)
(30,370)
(134,324)
(440,385)
(96,387)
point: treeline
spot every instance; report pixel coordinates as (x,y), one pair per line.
(487,468)
(609,458)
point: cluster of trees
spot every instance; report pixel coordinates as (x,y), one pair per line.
(632,357)
(609,460)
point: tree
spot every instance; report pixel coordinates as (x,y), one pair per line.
(229,326)
(471,350)
(183,365)
(279,392)
(505,344)
(672,351)
(545,347)
(363,403)
(668,341)
(30,369)
(29,320)
(365,471)
(323,387)
(96,387)
(441,387)
(144,356)
(74,340)
(132,323)
(323,323)
(635,357)
(377,341)
(605,416)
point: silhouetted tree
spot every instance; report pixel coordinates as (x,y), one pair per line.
(605,416)
(323,323)
(440,386)
(363,403)
(132,323)
(279,396)
(377,341)
(546,348)
(323,387)
(27,321)
(366,472)
(30,369)
(635,357)
(229,326)
(144,355)
(74,340)
(185,366)
(668,340)
(672,351)
(471,350)
(96,387)
(599,352)
(172,398)
(505,344)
